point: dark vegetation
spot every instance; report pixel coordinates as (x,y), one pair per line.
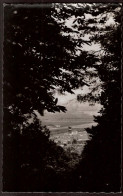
(100,168)
(37,59)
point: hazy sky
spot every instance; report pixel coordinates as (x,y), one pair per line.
(63,99)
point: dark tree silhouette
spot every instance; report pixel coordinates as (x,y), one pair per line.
(100,168)
(37,59)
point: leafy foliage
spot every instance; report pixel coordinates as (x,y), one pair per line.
(42,54)
(35,163)
(100,168)
(37,60)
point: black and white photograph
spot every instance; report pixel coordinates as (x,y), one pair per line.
(62,98)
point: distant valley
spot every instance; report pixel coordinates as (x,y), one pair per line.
(77,115)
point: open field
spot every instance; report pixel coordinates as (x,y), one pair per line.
(74,140)
(54,130)
(78,117)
